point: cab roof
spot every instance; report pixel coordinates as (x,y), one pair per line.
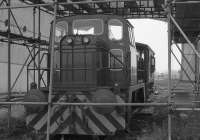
(95,16)
(143,46)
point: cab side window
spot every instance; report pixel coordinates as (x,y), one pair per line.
(141,60)
(116,59)
(115,29)
(152,64)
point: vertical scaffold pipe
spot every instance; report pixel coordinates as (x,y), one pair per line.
(197,68)
(39,46)
(168,4)
(34,66)
(51,71)
(9,64)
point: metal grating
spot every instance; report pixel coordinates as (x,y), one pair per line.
(184,11)
(125,8)
(188,17)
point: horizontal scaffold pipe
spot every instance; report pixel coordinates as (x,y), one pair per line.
(62,3)
(186,2)
(96,104)
(188,109)
(23,103)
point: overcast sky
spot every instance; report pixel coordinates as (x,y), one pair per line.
(154,34)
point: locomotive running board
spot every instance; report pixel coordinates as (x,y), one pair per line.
(136,87)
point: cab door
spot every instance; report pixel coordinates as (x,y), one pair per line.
(133,55)
(116,56)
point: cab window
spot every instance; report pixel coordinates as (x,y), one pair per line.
(152,61)
(152,64)
(116,59)
(61,30)
(88,27)
(141,60)
(115,29)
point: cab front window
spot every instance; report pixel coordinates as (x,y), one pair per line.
(88,27)
(115,29)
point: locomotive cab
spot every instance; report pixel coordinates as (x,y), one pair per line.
(146,66)
(91,53)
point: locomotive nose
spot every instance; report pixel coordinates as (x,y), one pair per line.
(34,95)
(104,96)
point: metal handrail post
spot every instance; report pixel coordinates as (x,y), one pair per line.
(51,72)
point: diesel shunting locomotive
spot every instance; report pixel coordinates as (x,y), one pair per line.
(96,60)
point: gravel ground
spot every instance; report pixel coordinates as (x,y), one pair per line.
(185,124)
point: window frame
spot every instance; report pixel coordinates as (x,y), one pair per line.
(153,64)
(109,60)
(152,60)
(122,36)
(102,23)
(131,35)
(66,24)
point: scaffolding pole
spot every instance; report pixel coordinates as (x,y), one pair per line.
(39,47)
(34,12)
(100,104)
(9,64)
(197,57)
(197,68)
(196,52)
(186,2)
(50,103)
(51,72)
(168,10)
